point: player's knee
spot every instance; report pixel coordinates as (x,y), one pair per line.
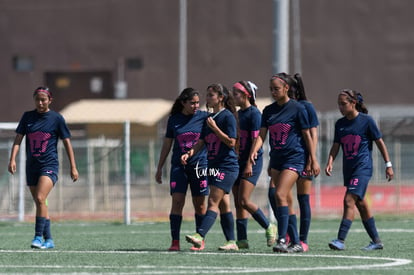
(349,202)
(200,209)
(40,200)
(244,202)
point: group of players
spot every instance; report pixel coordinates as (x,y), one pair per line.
(220,152)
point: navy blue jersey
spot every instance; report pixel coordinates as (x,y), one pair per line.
(312,116)
(285,124)
(249,127)
(42,132)
(186,131)
(220,155)
(355,137)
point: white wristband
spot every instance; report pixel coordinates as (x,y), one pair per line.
(388,164)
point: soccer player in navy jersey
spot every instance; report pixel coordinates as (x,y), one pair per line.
(42,128)
(304,182)
(249,118)
(184,127)
(354,133)
(288,126)
(219,136)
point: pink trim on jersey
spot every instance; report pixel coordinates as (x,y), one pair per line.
(240,87)
(255,133)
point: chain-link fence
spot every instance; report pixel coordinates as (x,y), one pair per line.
(100,192)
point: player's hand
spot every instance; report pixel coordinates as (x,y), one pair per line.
(248,170)
(211,123)
(316,169)
(184,159)
(328,169)
(389,173)
(158,176)
(74,174)
(12,167)
(253,158)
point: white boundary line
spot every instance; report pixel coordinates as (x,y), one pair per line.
(157,269)
(260,231)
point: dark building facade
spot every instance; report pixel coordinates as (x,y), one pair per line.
(81,48)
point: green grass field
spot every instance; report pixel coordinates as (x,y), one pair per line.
(140,248)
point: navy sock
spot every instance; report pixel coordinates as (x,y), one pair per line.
(227,224)
(372,230)
(260,218)
(293,229)
(39,226)
(305,217)
(282,221)
(46,230)
(272,200)
(198,221)
(175,226)
(343,229)
(241,225)
(207,223)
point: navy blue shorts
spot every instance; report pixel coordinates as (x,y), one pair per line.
(357,185)
(304,175)
(294,163)
(257,169)
(183,176)
(32,176)
(223,178)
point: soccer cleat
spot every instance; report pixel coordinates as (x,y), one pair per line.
(48,244)
(271,233)
(228,246)
(193,248)
(175,245)
(287,238)
(195,239)
(373,246)
(243,244)
(281,246)
(295,248)
(337,245)
(37,242)
(305,246)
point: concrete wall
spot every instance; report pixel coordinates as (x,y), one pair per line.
(364,45)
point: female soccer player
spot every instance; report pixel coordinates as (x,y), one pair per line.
(355,133)
(220,137)
(183,129)
(288,126)
(304,182)
(244,93)
(42,127)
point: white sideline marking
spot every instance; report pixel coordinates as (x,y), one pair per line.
(157,269)
(259,231)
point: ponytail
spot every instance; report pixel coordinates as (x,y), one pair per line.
(249,89)
(300,88)
(287,80)
(358,98)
